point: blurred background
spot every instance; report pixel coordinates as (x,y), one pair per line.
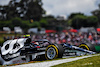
(56,20)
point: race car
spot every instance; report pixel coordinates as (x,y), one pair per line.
(24,50)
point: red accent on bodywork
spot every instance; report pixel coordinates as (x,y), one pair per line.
(37,46)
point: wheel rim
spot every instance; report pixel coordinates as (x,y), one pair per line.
(51,53)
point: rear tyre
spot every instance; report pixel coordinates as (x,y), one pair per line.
(54,51)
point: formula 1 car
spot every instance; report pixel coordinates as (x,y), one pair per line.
(23,50)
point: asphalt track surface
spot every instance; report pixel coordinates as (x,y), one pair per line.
(54,62)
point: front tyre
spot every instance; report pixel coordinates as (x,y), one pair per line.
(87,46)
(54,51)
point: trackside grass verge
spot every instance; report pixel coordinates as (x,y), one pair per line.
(35,61)
(86,62)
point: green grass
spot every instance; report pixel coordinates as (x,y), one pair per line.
(87,62)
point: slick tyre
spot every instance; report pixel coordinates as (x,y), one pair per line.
(87,46)
(54,51)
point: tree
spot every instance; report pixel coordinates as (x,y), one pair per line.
(16,22)
(2,12)
(5,24)
(43,22)
(25,9)
(80,20)
(97,13)
(77,20)
(34,10)
(74,14)
(92,21)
